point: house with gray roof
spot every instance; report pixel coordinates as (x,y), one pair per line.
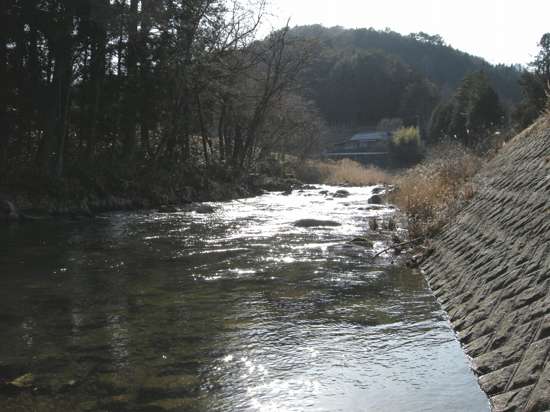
(365,147)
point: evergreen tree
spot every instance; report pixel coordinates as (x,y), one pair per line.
(535,85)
(472,111)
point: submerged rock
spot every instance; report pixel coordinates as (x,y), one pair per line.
(168,209)
(174,404)
(361,241)
(309,187)
(205,209)
(200,208)
(24,381)
(315,223)
(8,211)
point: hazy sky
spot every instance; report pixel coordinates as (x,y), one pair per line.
(501,31)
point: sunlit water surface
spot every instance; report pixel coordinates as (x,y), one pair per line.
(234,311)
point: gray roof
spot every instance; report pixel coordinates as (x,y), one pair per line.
(371,136)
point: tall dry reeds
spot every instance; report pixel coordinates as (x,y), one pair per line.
(341,172)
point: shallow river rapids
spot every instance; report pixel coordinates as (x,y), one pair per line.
(238,310)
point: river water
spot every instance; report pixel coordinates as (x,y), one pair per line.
(233,311)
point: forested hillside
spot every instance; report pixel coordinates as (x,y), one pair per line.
(360,76)
(426,54)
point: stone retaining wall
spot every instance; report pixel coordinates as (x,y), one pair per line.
(491,272)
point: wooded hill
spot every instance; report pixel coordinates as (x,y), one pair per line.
(363,75)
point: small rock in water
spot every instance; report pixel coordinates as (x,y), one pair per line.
(363,242)
(341,194)
(376,200)
(199,208)
(315,223)
(309,187)
(24,381)
(323,192)
(205,209)
(168,209)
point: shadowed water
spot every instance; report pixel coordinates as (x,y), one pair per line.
(234,311)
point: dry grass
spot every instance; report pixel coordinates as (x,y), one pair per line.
(432,192)
(341,172)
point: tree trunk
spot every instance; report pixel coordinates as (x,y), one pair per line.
(4,87)
(221,134)
(21,83)
(97,72)
(204,132)
(131,95)
(62,83)
(146,107)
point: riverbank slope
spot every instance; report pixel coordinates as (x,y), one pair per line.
(491,272)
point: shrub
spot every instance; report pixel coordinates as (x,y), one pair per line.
(406,146)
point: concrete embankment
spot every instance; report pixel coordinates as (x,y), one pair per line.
(491,272)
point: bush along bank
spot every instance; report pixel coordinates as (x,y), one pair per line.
(431,193)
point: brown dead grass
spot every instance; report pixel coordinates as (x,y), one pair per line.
(432,192)
(342,172)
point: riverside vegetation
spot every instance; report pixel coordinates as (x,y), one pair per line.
(136,103)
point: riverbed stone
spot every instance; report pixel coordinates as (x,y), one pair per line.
(8,211)
(204,209)
(200,208)
(175,404)
(315,223)
(341,194)
(376,200)
(168,209)
(491,273)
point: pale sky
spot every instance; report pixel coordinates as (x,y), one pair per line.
(501,31)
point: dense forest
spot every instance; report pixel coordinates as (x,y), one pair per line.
(131,87)
(118,94)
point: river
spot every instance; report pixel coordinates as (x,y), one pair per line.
(238,310)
